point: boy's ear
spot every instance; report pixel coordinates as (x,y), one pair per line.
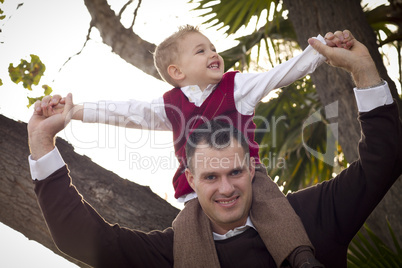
(175,72)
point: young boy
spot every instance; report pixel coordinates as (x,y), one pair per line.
(202,91)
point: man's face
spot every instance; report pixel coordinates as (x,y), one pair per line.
(199,61)
(222,180)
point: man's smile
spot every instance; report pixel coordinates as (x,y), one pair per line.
(227,202)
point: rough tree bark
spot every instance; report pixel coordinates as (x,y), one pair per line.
(317,16)
(116,199)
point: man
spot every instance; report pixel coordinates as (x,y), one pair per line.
(332,212)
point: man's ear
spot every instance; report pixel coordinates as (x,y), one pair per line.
(190,178)
(252,167)
(175,73)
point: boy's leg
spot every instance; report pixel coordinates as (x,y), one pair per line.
(191,228)
(277,223)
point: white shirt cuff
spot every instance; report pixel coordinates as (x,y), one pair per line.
(90,113)
(46,165)
(368,99)
(311,58)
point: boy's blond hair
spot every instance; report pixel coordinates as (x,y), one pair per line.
(167,52)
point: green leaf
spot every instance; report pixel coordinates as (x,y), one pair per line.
(286,114)
(1,82)
(394,239)
(33,100)
(359,251)
(232,14)
(47,89)
(368,250)
(29,73)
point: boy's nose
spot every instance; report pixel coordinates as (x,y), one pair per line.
(214,54)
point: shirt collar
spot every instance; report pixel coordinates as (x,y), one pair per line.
(196,95)
(236,231)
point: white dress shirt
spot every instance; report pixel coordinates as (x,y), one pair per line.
(249,89)
(367,99)
(235,231)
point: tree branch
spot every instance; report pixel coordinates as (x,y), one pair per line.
(135,13)
(124,8)
(124,42)
(79,52)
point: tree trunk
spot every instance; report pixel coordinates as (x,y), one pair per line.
(116,199)
(317,16)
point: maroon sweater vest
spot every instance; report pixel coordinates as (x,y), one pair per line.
(186,117)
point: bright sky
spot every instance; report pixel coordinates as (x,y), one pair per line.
(56,30)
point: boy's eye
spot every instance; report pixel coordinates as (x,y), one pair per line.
(200,51)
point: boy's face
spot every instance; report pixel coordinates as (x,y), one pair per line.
(222,180)
(198,61)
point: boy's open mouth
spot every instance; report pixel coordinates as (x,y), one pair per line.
(214,65)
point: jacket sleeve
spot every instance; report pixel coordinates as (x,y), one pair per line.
(80,232)
(333,211)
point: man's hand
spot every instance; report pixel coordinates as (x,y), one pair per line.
(356,60)
(43,129)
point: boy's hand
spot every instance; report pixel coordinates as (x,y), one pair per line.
(356,60)
(340,39)
(50,105)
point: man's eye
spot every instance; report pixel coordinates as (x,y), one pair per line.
(236,172)
(210,177)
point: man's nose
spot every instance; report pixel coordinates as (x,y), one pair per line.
(226,186)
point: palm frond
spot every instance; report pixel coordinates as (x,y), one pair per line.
(283,148)
(232,14)
(368,250)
